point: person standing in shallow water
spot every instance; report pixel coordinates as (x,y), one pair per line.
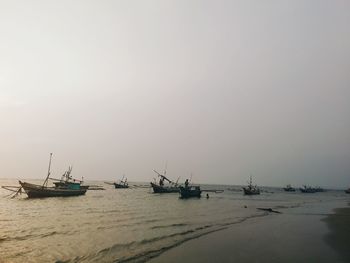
(207,196)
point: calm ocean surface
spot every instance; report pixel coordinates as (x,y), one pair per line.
(121,225)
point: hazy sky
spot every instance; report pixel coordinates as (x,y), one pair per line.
(220,89)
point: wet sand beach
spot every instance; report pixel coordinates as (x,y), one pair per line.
(338,237)
(302,234)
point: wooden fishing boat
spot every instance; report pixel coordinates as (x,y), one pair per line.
(164,189)
(36,191)
(123,183)
(171,187)
(190,191)
(116,185)
(319,189)
(63,188)
(251,189)
(307,189)
(67,181)
(289,188)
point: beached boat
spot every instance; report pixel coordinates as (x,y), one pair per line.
(307,189)
(251,189)
(289,188)
(171,187)
(123,183)
(62,188)
(190,191)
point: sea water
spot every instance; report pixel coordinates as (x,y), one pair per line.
(121,225)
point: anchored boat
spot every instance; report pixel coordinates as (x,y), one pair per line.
(64,187)
(123,183)
(289,188)
(190,191)
(171,187)
(34,190)
(67,181)
(251,189)
(308,189)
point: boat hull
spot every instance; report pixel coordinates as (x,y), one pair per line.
(164,189)
(120,186)
(289,189)
(347,191)
(188,192)
(308,190)
(248,191)
(38,191)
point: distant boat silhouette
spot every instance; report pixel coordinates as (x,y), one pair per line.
(123,183)
(308,189)
(251,189)
(289,188)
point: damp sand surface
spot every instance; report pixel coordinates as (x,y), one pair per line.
(314,232)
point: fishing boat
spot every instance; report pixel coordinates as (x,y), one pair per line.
(35,191)
(308,189)
(67,181)
(251,189)
(319,189)
(171,187)
(347,191)
(62,188)
(289,188)
(123,183)
(190,191)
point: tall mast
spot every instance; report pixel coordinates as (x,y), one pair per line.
(48,172)
(250,182)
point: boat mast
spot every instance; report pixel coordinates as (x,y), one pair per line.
(48,172)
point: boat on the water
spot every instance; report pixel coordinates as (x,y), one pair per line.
(171,187)
(67,181)
(123,183)
(35,191)
(289,188)
(190,191)
(251,189)
(308,189)
(63,188)
(347,191)
(319,189)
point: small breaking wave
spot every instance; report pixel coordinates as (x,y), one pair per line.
(144,250)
